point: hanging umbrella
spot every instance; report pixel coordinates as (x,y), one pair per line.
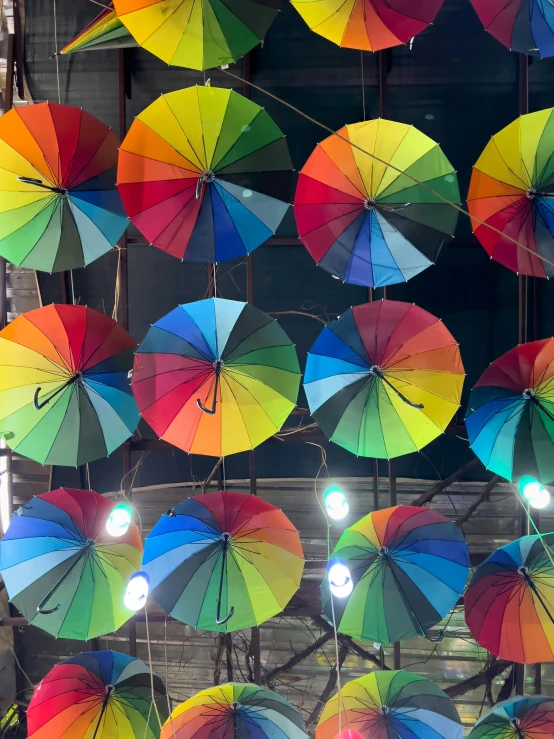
(223,561)
(208,33)
(384,379)
(101,695)
(65,398)
(106,31)
(235,711)
(62,569)
(525,26)
(59,207)
(367,223)
(392,704)
(512,190)
(216,377)
(203,173)
(510,418)
(408,565)
(529,717)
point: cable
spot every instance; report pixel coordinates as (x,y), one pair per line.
(56,57)
(363,81)
(153,693)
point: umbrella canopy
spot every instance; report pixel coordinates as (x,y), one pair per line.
(62,569)
(59,208)
(512,190)
(205,174)
(216,377)
(408,565)
(105,695)
(391,705)
(510,419)
(366,222)
(509,604)
(525,26)
(530,717)
(223,561)
(106,31)
(235,711)
(208,33)
(65,398)
(369,25)
(384,379)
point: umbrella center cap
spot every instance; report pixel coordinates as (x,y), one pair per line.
(528,394)
(523,571)
(375,370)
(208,176)
(383,552)
(531,193)
(369,203)
(384,710)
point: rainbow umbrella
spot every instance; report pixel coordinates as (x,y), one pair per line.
(384,379)
(390,705)
(59,208)
(509,604)
(98,695)
(525,26)
(364,221)
(62,569)
(510,418)
(408,565)
(216,377)
(512,191)
(203,173)
(530,717)
(65,398)
(106,31)
(235,711)
(223,561)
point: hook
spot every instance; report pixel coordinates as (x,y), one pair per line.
(211,411)
(218,618)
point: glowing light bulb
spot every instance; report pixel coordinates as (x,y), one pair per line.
(534,493)
(137,591)
(119,519)
(339,577)
(335,502)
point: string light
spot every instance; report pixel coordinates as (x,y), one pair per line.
(534,493)
(137,591)
(335,503)
(119,520)
(339,577)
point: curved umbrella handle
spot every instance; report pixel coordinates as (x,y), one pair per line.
(219,620)
(36,402)
(211,411)
(39,405)
(48,611)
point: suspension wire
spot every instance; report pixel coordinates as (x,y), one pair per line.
(153,692)
(363,82)
(214,266)
(56,56)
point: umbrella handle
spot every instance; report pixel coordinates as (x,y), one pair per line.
(219,620)
(48,611)
(40,183)
(40,405)
(211,411)
(376,372)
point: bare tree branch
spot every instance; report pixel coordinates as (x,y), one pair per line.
(326,694)
(483,496)
(321,623)
(506,690)
(441,485)
(293,661)
(475,681)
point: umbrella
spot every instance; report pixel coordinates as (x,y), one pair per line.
(408,565)
(529,717)
(59,207)
(101,695)
(369,25)
(62,569)
(216,377)
(223,561)
(394,704)
(203,173)
(106,31)
(510,418)
(367,223)
(235,711)
(509,604)
(525,26)
(384,379)
(512,190)
(208,33)
(65,398)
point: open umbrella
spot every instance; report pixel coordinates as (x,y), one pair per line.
(512,190)
(62,569)
(199,35)
(59,208)
(101,695)
(203,173)
(525,26)
(65,398)
(106,31)
(384,379)
(365,222)
(522,717)
(408,566)
(216,377)
(509,604)
(235,711)
(223,561)
(510,418)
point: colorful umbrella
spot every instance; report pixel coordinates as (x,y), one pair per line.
(106,31)
(59,208)
(369,25)
(216,377)
(509,604)
(408,565)
(101,695)
(235,711)
(529,717)
(525,26)
(512,190)
(384,379)
(223,561)
(391,705)
(65,398)
(510,419)
(203,173)
(208,33)
(367,223)
(62,569)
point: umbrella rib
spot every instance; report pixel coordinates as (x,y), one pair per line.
(53,179)
(73,182)
(525,185)
(391,157)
